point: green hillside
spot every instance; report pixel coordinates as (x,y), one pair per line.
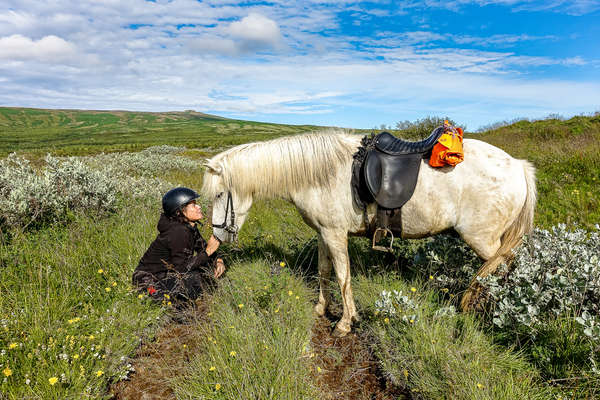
(70,132)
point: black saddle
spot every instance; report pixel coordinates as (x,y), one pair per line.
(389,144)
(391,167)
(388,167)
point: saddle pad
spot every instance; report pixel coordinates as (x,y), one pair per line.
(391,179)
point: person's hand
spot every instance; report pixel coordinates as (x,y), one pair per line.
(220,268)
(212,245)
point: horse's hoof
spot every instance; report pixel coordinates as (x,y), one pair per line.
(340,331)
(320,309)
(466,303)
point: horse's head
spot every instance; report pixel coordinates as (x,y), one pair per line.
(229,206)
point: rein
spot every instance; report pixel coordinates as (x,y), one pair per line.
(231,228)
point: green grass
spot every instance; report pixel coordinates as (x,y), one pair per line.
(442,356)
(256,343)
(67,307)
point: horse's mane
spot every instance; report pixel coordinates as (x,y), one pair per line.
(278,167)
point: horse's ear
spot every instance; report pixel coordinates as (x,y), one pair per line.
(215,169)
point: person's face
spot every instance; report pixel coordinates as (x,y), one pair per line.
(192,211)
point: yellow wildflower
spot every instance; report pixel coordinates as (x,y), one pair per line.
(213,368)
(297,297)
(413,289)
(107,289)
(386,320)
(430,277)
(140,296)
(319,369)
(167,296)
(12,346)
(91,337)
(99,373)
(282,264)
(100,271)
(405,372)
(114,284)
(7,371)
(479,386)
(445,290)
(277,310)
(412,321)
(240,305)
(218,386)
(232,353)
(52,381)
(71,321)
(168,303)
(75,356)
(290,293)
(185,346)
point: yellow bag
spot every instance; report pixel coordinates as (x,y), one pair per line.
(449,148)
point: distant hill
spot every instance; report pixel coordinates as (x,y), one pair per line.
(82,131)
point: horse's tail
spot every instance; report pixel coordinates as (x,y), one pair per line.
(511,238)
(523,224)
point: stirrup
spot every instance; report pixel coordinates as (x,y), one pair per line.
(384,234)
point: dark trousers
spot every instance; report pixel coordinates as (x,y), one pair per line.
(175,285)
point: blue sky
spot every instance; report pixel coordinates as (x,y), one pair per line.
(337,63)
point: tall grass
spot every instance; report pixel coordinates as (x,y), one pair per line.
(256,343)
(69,316)
(439,354)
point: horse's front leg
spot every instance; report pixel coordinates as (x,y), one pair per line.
(336,243)
(324,276)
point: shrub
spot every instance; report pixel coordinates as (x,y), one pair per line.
(557,273)
(30,196)
(422,128)
(145,163)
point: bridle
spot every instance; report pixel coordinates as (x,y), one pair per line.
(232,227)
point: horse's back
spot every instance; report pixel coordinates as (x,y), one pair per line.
(483,194)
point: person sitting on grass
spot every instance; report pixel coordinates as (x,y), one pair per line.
(179,264)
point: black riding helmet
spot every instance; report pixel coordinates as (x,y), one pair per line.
(175,198)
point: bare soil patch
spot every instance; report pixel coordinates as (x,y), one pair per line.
(345,368)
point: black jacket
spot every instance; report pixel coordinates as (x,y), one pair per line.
(174,248)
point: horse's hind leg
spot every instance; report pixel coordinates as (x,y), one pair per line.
(324,276)
(487,250)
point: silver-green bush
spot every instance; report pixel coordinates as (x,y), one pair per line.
(556,273)
(91,183)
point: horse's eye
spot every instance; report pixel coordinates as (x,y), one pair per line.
(219,195)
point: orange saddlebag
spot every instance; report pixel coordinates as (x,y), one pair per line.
(449,148)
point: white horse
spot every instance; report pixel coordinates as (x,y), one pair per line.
(489,199)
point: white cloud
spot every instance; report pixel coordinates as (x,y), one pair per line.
(256,31)
(49,48)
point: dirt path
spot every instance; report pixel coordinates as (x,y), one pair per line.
(343,368)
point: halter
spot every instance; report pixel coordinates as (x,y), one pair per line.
(231,228)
